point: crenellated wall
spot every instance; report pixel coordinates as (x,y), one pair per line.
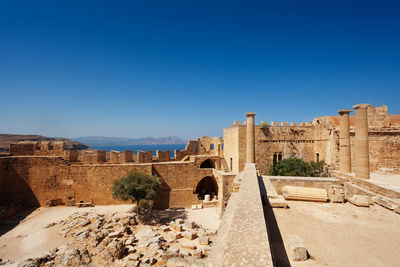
(315,141)
(35,180)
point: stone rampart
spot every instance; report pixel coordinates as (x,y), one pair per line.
(243,223)
(163,156)
(144,156)
(34,180)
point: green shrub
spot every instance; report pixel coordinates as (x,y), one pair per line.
(138,187)
(298,167)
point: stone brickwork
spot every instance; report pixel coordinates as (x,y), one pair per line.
(93,156)
(144,156)
(120,156)
(37,148)
(35,180)
(315,141)
(163,156)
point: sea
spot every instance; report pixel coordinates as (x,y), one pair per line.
(135,148)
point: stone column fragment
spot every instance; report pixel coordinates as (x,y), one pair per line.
(361,141)
(250,138)
(344,139)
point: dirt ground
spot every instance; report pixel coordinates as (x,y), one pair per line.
(342,234)
(30,238)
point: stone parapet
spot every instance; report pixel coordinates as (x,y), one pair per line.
(243,223)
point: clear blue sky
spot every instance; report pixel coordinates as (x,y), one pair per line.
(190,68)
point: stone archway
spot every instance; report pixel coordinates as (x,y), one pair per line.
(207,186)
(208,163)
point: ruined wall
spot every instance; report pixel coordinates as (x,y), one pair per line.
(33,180)
(290,141)
(326,141)
(235,147)
(190,149)
(384,150)
(209,145)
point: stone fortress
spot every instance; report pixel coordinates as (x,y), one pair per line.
(45,173)
(231,174)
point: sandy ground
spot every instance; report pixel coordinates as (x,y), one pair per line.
(30,239)
(393,179)
(342,234)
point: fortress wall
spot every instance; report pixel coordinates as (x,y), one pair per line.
(94,182)
(144,156)
(163,156)
(33,180)
(290,141)
(23,148)
(204,145)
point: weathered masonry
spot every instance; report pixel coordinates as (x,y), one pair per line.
(38,173)
(321,140)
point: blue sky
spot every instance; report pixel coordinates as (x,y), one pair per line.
(190,68)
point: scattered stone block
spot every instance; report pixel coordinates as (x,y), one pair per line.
(133,257)
(197,253)
(297,250)
(336,193)
(204,240)
(189,235)
(114,234)
(206,250)
(384,202)
(359,201)
(179,221)
(199,206)
(130,249)
(185,252)
(188,245)
(175,236)
(177,228)
(164,228)
(194,207)
(190,225)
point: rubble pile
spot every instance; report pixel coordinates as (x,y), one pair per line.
(121,240)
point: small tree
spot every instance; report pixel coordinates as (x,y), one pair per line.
(138,187)
(298,167)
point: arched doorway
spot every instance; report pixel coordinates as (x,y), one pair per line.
(207,186)
(208,163)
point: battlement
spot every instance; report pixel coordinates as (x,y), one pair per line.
(284,124)
(33,148)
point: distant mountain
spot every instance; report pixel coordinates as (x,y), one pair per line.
(122,141)
(6,139)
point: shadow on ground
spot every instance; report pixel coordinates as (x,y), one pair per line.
(169,215)
(11,222)
(278,251)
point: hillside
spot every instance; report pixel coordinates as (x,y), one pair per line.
(110,141)
(6,139)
